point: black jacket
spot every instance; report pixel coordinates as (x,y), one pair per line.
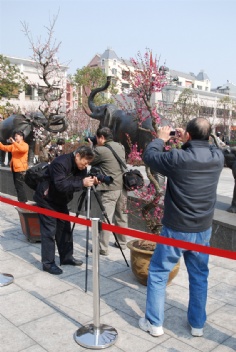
(64,179)
(192,177)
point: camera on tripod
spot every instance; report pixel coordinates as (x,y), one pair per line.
(95,172)
(93,139)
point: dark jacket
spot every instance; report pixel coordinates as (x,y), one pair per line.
(64,179)
(192,177)
(108,164)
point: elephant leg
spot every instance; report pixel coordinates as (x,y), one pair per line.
(232,208)
(31,152)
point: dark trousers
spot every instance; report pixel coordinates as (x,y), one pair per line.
(55,232)
(18,179)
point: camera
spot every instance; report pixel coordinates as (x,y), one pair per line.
(92,139)
(8,141)
(172,133)
(95,172)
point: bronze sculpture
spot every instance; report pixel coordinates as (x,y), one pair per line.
(121,123)
(27,124)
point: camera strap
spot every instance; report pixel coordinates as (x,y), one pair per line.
(122,164)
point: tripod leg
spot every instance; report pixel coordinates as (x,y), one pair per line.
(80,203)
(108,221)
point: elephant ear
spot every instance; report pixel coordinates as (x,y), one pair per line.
(109,118)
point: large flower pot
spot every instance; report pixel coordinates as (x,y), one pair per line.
(30,224)
(140,260)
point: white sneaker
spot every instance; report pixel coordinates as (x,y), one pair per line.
(196,332)
(145,325)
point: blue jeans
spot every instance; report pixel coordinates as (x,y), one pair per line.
(162,262)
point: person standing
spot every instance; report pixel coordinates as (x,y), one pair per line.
(19,162)
(192,177)
(113,196)
(65,175)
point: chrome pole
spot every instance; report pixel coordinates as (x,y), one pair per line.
(96,335)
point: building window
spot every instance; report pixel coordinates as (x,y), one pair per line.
(188,84)
(28,92)
(125,75)
(199,87)
(233,114)
(222,113)
(103,62)
(114,62)
(206,89)
(125,87)
(206,111)
(114,71)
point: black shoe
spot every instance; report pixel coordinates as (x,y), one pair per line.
(52,269)
(71,261)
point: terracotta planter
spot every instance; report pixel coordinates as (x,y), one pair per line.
(140,260)
(30,224)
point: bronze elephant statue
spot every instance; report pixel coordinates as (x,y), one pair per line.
(120,122)
(28,124)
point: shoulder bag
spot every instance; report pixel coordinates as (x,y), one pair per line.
(132,179)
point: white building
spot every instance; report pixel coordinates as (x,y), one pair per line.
(29,100)
(209,99)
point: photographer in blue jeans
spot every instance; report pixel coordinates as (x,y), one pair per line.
(192,176)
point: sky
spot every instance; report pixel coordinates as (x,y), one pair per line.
(185,35)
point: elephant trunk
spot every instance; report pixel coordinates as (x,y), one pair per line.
(91,104)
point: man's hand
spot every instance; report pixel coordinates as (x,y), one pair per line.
(90,181)
(164,133)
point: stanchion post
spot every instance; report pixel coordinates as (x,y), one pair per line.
(96,335)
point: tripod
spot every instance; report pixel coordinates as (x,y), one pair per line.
(87,195)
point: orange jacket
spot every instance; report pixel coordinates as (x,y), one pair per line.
(19,160)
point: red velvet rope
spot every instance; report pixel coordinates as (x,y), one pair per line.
(126,231)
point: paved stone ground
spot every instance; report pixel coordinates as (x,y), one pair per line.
(40,312)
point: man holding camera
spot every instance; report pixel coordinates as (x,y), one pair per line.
(193,173)
(65,175)
(113,196)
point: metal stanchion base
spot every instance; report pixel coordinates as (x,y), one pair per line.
(96,338)
(6,279)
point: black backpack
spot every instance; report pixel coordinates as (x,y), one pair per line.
(36,174)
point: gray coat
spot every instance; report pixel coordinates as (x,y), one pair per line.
(192,177)
(108,164)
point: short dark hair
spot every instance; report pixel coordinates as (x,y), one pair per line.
(105,132)
(20,133)
(199,128)
(84,152)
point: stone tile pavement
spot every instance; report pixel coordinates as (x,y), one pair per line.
(40,312)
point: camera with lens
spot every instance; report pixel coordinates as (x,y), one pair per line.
(95,172)
(93,139)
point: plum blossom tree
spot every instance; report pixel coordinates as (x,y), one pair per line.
(145,79)
(50,70)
